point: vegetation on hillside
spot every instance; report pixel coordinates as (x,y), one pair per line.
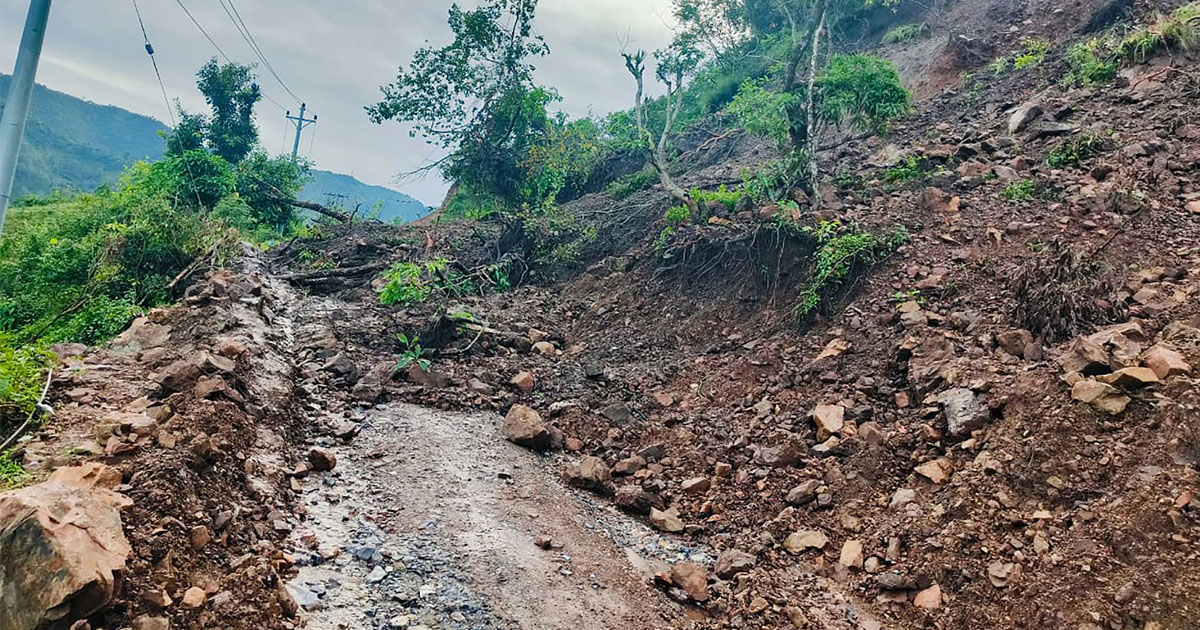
(79,268)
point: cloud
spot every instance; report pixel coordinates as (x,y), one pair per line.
(333,55)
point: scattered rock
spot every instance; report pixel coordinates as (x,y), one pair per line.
(732,562)
(1165,362)
(804,493)
(635,500)
(1023,116)
(901,498)
(618,413)
(1101,396)
(696,485)
(666,520)
(798,542)
(937,471)
(852,554)
(929,599)
(523,426)
(629,465)
(590,474)
(194,597)
(1130,378)
(829,419)
(523,381)
(963,411)
(692,578)
(321,459)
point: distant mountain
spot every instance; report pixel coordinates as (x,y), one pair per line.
(334,189)
(73,144)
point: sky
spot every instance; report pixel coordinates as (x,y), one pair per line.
(332,54)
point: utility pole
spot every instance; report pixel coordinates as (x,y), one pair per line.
(301,122)
(20,92)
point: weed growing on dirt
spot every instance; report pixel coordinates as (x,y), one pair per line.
(998,67)
(1032,55)
(909,169)
(408,283)
(1020,190)
(727,198)
(1095,61)
(1074,151)
(634,182)
(410,353)
(12,473)
(839,253)
(905,32)
(774,180)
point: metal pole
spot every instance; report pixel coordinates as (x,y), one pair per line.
(20,92)
(299,126)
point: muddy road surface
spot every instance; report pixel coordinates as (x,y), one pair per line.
(430,519)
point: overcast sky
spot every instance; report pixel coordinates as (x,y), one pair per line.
(334,55)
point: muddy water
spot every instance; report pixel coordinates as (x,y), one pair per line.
(430,519)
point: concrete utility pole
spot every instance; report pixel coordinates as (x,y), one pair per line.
(301,122)
(20,92)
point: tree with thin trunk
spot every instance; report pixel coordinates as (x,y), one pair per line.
(675,64)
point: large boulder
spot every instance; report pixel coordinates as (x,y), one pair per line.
(63,548)
(524,426)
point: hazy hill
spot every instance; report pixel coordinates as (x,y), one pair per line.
(74,144)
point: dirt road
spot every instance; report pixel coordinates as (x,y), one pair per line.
(433,519)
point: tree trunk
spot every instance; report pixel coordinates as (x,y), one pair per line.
(316,207)
(814,170)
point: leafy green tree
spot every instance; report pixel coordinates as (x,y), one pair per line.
(474,97)
(231,92)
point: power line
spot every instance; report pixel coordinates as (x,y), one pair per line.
(154,62)
(219,50)
(244,29)
(206,35)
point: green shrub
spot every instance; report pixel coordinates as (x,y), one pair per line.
(763,112)
(908,169)
(1032,55)
(998,66)
(1091,63)
(1020,190)
(12,473)
(676,215)
(727,198)
(634,182)
(1076,150)
(23,371)
(839,252)
(409,283)
(862,90)
(905,32)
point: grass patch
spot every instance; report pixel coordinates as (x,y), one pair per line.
(905,33)
(1020,190)
(12,473)
(907,170)
(1074,151)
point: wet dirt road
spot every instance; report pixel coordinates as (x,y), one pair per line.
(430,520)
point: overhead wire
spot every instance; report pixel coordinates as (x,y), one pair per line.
(220,50)
(244,29)
(150,50)
(154,62)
